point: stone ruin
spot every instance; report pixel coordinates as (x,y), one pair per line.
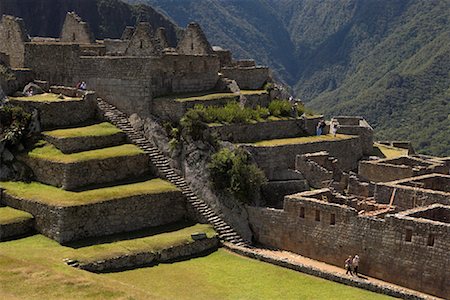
(393,212)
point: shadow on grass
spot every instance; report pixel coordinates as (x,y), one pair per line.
(129,235)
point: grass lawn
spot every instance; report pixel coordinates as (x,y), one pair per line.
(55,196)
(49,152)
(10,215)
(102,129)
(388,151)
(301,140)
(32,268)
(46,97)
(200,96)
(152,243)
(253,92)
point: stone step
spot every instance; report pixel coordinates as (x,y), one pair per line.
(76,170)
(67,216)
(148,247)
(85,138)
(14,223)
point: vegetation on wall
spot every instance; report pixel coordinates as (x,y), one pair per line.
(14,122)
(233,171)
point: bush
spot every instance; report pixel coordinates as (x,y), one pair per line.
(14,122)
(233,171)
(280,108)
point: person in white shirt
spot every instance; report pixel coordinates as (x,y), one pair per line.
(355,264)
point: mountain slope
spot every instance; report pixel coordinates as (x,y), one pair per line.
(107,18)
(382,59)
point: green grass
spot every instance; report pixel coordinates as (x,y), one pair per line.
(301,140)
(253,92)
(388,151)
(10,215)
(153,244)
(46,97)
(102,129)
(51,195)
(49,152)
(32,268)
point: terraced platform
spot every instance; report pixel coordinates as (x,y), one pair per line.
(14,223)
(301,140)
(67,216)
(147,247)
(72,171)
(85,138)
(58,110)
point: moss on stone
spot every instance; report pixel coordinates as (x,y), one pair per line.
(102,129)
(152,244)
(302,140)
(51,195)
(10,215)
(46,97)
(49,152)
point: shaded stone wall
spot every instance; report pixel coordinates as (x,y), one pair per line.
(381,244)
(251,78)
(76,31)
(274,158)
(380,172)
(194,42)
(13,37)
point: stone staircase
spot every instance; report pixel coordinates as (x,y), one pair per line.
(205,213)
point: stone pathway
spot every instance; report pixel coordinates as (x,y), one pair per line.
(320,269)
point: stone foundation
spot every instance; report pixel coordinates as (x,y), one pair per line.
(70,223)
(15,229)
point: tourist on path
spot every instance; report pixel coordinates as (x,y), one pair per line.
(334,127)
(355,263)
(320,126)
(348,265)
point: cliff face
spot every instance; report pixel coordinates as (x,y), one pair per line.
(107,18)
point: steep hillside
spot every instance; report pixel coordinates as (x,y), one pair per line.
(383,59)
(107,18)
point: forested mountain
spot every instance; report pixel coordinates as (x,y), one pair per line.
(387,60)
(107,18)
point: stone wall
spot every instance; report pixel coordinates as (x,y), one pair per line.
(318,173)
(251,78)
(274,158)
(76,31)
(139,259)
(62,113)
(69,223)
(71,176)
(13,37)
(194,42)
(141,42)
(249,133)
(330,232)
(16,229)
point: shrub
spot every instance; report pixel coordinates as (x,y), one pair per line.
(280,108)
(234,172)
(14,122)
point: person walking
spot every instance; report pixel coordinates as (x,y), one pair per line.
(334,127)
(348,265)
(355,263)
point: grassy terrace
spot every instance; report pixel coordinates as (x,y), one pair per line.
(205,96)
(46,97)
(102,129)
(49,152)
(152,243)
(32,268)
(10,215)
(51,195)
(302,140)
(388,151)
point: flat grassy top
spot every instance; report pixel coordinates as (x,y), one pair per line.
(10,215)
(253,92)
(54,196)
(301,140)
(388,151)
(46,97)
(49,152)
(102,129)
(32,268)
(152,243)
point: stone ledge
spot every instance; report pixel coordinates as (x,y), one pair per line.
(367,285)
(15,224)
(140,259)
